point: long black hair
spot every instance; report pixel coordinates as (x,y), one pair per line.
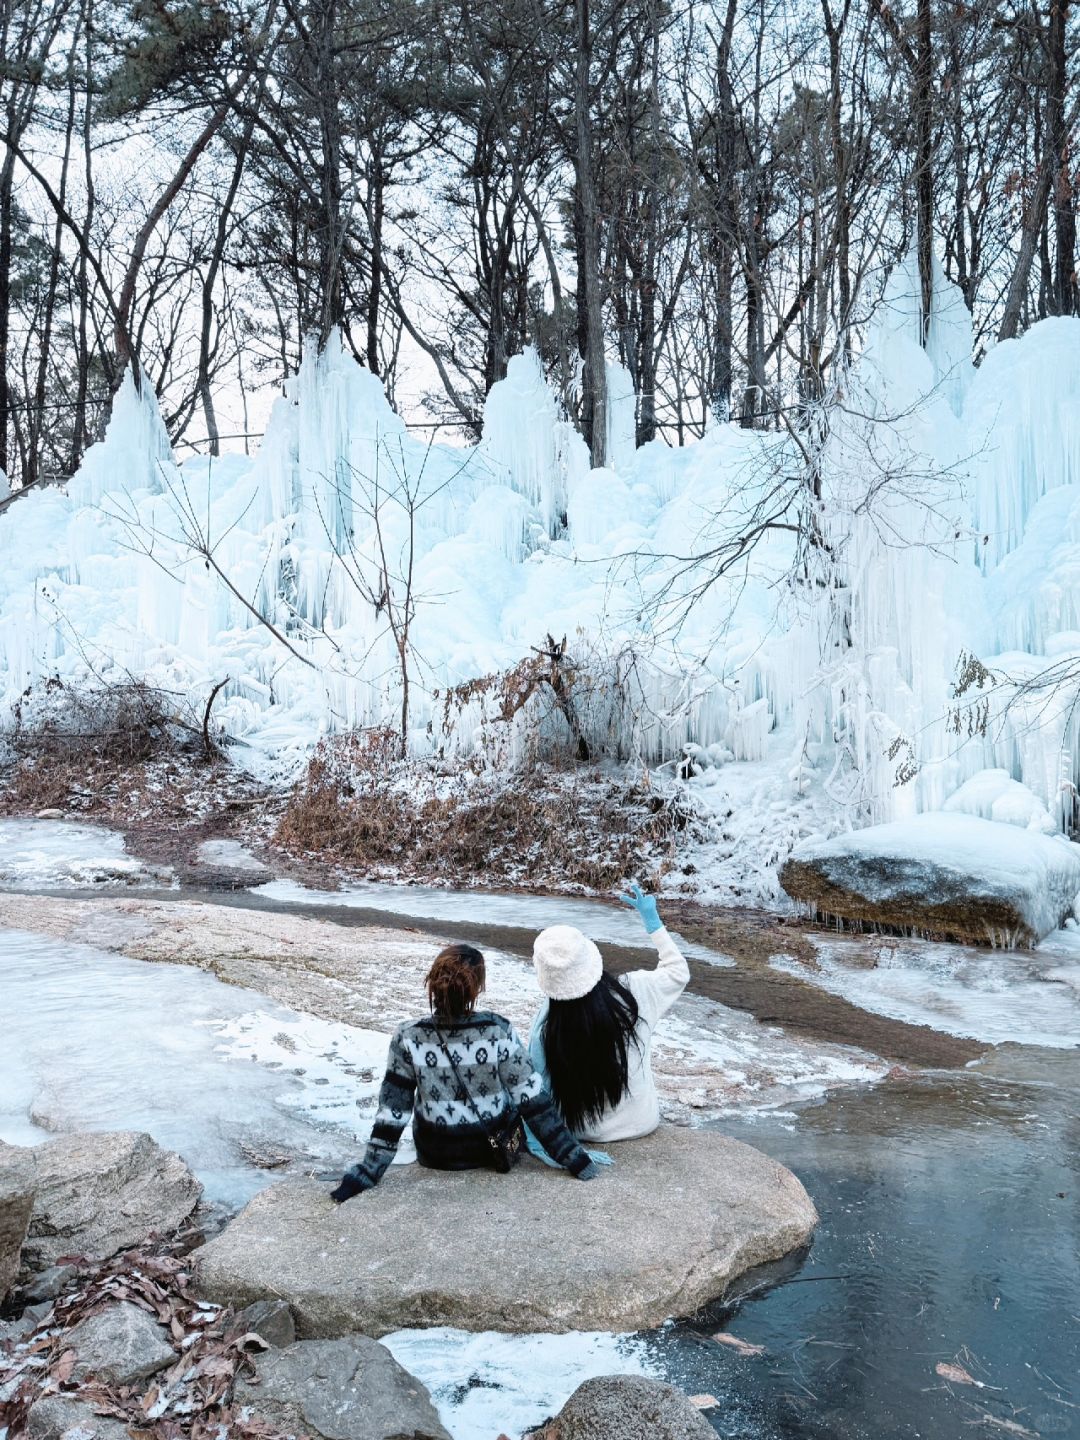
(587,1046)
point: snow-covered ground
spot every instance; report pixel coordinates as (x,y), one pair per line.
(950,503)
(1026,997)
(59,854)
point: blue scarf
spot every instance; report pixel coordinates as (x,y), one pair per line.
(539,1060)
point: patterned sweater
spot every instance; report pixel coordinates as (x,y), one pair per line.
(420,1082)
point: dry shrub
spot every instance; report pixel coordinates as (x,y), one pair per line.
(70,741)
(542,827)
(123,723)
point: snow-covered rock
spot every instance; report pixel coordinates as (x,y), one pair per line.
(995,795)
(96,1194)
(626,1407)
(347,1389)
(544,1252)
(945,874)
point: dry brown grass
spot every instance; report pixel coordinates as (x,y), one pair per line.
(546,827)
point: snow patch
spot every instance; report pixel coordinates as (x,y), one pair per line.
(484,1385)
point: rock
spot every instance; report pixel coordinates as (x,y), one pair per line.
(12,1331)
(16,1206)
(48,1285)
(348,1389)
(678,1218)
(626,1407)
(952,876)
(56,1416)
(120,1345)
(272,1319)
(96,1194)
(52,813)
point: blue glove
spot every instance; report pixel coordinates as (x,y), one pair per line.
(645,906)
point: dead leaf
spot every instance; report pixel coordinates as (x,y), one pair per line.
(956,1374)
(744,1347)
(65,1366)
(704,1402)
(251,1341)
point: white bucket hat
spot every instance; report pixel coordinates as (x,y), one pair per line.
(568,965)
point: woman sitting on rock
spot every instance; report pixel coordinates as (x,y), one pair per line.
(466,1080)
(592,1038)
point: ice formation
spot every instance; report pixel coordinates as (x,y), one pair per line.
(940,517)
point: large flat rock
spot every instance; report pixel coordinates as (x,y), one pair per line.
(952,876)
(678,1218)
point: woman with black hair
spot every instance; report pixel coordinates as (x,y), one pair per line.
(466,1081)
(592,1038)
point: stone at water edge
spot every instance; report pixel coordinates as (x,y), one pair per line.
(96,1194)
(121,1344)
(679,1217)
(347,1389)
(16,1206)
(973,881)
(626,1407)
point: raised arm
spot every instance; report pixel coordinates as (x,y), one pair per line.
(395,1107)
(534,1104)
(657,989)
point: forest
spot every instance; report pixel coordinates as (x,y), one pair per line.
(712,193)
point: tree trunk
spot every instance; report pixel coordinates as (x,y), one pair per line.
(591,320)
(924,162)
(376,210)
(1063,280)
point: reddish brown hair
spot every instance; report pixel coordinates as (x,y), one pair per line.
(455,980)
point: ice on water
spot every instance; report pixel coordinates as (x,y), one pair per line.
(95,1041)
(1026,997)
(56,854)
(490,1384)
(602,922)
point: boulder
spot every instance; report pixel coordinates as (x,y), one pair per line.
(96,1194)
(626,1407)
(953,876)
(56,1416)
(347,1389)
(16,1205)
(679,1217)
(120,1345)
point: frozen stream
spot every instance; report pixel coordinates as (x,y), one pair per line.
(94,1041)
(950,1201)
(600,919)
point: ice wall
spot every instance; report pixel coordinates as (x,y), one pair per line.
(948,521)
